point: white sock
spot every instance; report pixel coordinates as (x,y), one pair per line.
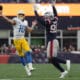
(30,65)
(27,71)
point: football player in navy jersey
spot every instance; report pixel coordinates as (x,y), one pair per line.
(49,21)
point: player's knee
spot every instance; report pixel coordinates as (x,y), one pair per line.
(53,60)
(27,50)
(28,53)
(21,54)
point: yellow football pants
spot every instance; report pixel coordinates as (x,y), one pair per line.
(20,45)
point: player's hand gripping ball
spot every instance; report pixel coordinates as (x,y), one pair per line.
(1,8)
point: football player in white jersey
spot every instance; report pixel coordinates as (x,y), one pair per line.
(19,27)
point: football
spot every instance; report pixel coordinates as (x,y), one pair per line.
(1,7)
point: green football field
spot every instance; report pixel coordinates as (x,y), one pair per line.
(42,72)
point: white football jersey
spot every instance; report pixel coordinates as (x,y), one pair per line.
(19,28)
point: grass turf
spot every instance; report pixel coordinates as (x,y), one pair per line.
(42,72)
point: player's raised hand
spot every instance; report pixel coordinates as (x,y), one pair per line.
(35,7)
(54,2)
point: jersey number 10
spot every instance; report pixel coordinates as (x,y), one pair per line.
(21,29)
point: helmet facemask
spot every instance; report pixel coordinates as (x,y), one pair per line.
(49,15)
(21,16)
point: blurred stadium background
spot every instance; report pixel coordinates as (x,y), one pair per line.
(68,31)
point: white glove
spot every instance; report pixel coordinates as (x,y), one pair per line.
(54,2)
(35,7)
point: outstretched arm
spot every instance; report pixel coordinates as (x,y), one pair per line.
(13,22)
(55,11)
(39,19)
(6,18)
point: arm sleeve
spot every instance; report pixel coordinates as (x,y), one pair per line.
(26,23)
(55,11)
(15,19)
(40,20)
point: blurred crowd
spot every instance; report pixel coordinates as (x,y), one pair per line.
(4,49)
(37,49)
(37,1)
(69,48)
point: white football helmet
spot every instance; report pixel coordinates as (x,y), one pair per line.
(21,15)
(49,15)
(21,12)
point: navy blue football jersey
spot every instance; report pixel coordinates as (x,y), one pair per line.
(50,25)
(51,29)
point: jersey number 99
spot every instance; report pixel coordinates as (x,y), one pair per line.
(53,28)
